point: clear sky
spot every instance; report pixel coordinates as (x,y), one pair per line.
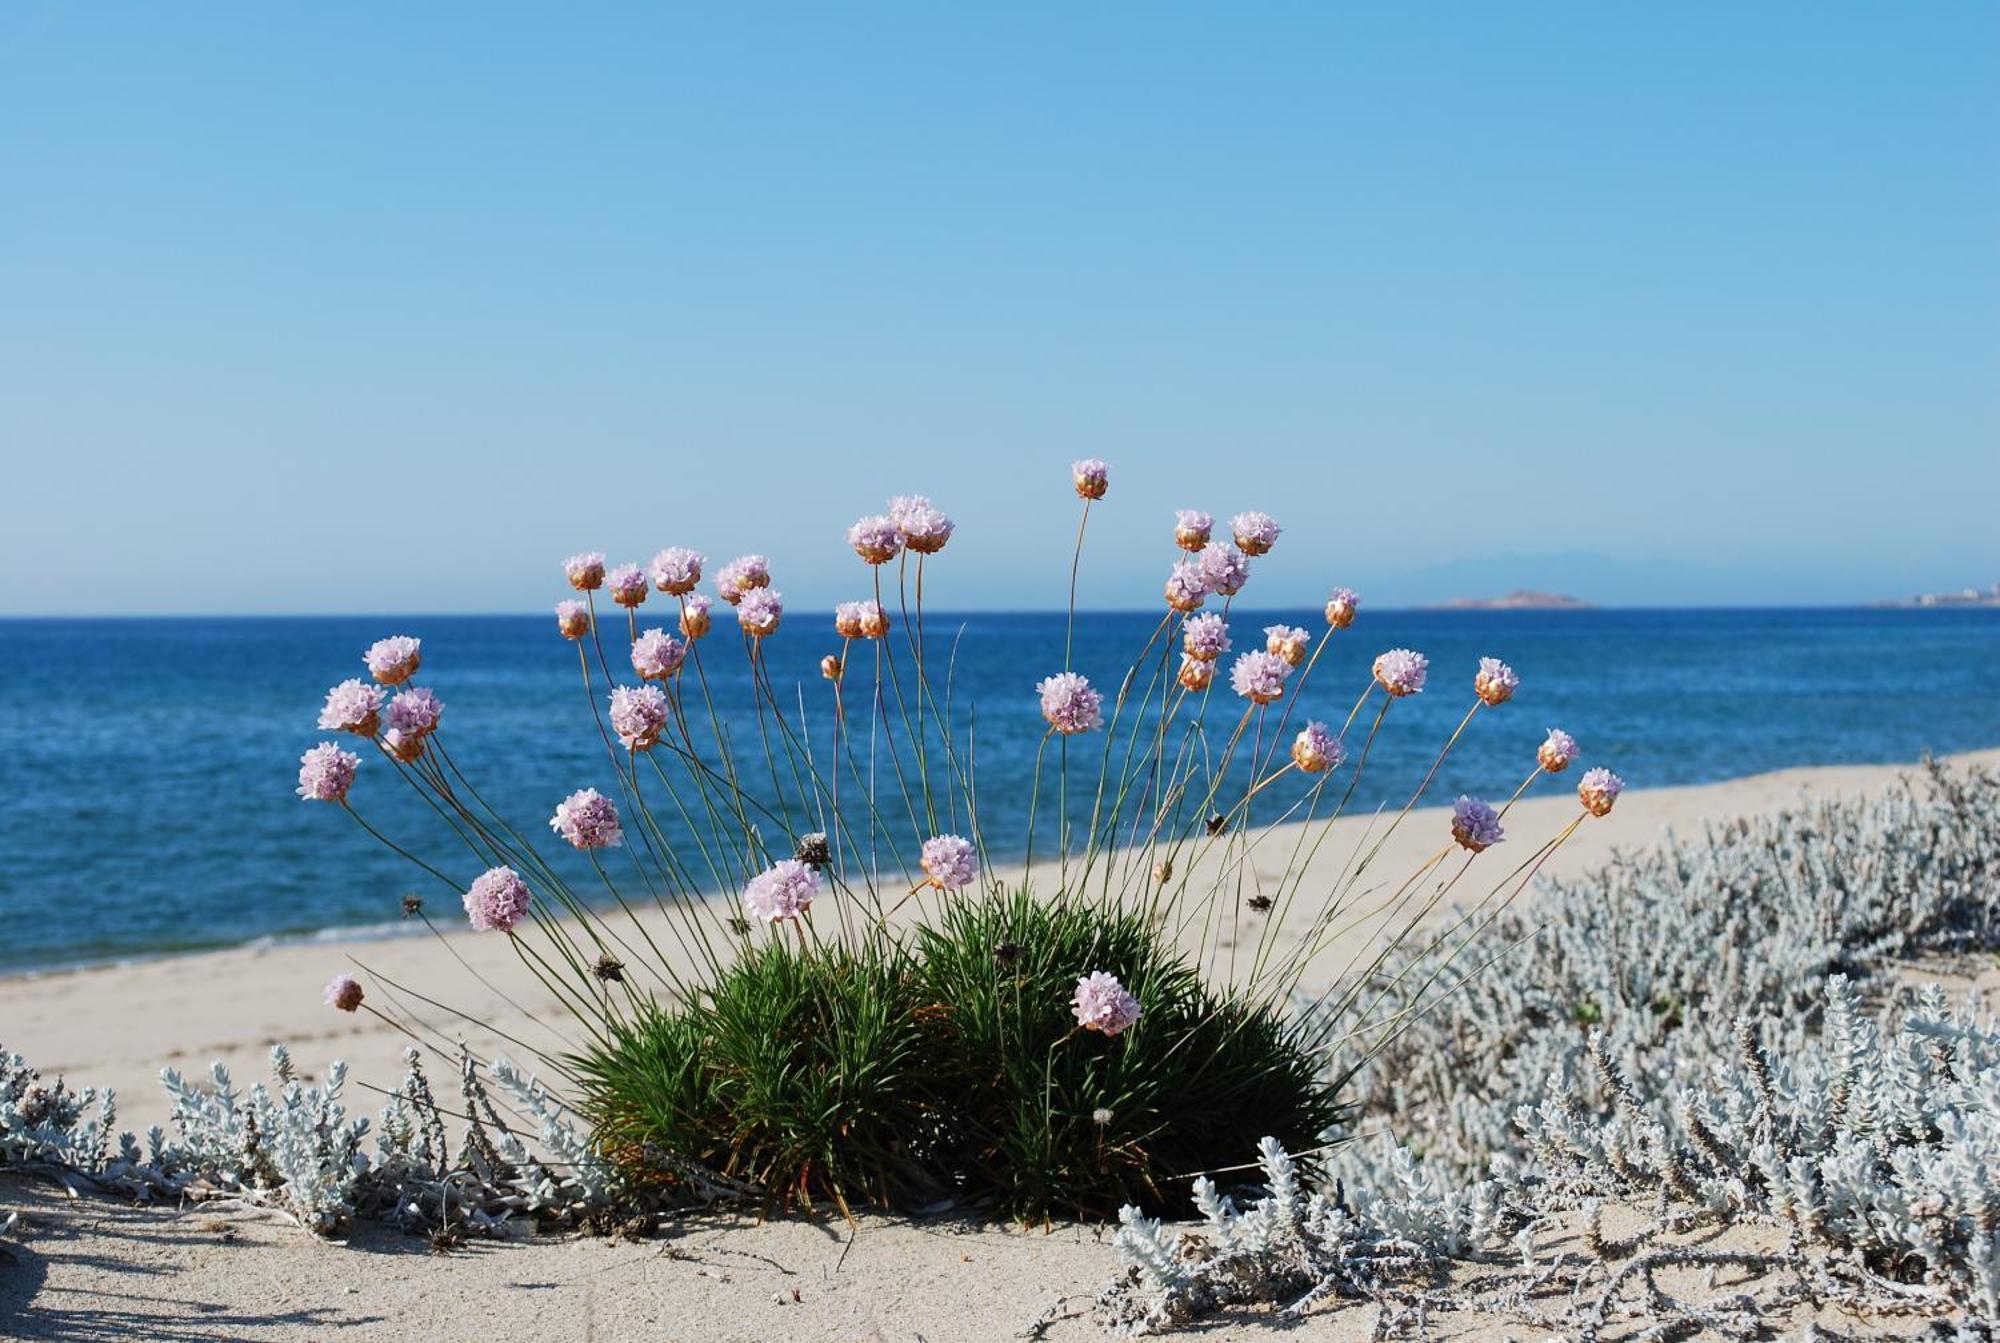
(388,307)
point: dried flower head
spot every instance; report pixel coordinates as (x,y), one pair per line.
(413,905)
(416,712)
(860,620)
(657,655)
(1163,871)
(1206,637)
(1070,705)
(344,992)
(785,890)
(830,667)
(1475,825)
(395,659)
(1255,533)
(1006,954)
(609,970)
(1187,588)
(628,584)
(1259,676)
(742,576)
(813,850)
(950,862)
(1316,750)
(1226,570)
(1598,789)
(1495,681)
(572,619)
(694,616)
(326,773)
(759,612)
(588,820)
(1401,671)
(585,572)
(1192,528)
(1196,675)
(1341,607)
(638,716)
(497,900)
(1289,642)
(925,529)
(876,539)
(1102,1004)
(676,570)
(1091,478)
(352,706)
(1260,903)
(1555,754)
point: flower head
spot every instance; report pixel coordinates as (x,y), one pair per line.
(694,615)
(742,576)
(585,572)
(628,584)
(676,570)
(588,820)
(497,900)
(1226,570)
(1192,528)
(1341,606)
(831,667)
(1495,681)
(1555,754)
(1206,637)
(1070,705)
(1289,642)
(784,890)
(1196,674)
(407,747)
(395,659)
(1187,586)
(950,862)
(1401,671)
(759,611)
(1091,478)
(875,539)
(1598,789)
(657,655)
(416,712)
(1259,676)
(860,620)
(638,716)
(1255,533)
(572,619)
(344,992)
(924,528)
(1102,1004)
(1475,825)
(1316,750)
(352,706)
(326,773)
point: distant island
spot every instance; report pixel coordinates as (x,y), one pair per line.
(1963,597)
(1520,599)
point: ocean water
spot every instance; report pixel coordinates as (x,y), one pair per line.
(147,767)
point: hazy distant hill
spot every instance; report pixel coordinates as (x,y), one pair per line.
(1963,597)
(1521,599)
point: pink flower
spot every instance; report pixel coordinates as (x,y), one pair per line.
(1102,1004)
(352,706)
(588,820)
(950,862)
(1555,754)
(1289,642)
(875,539)
(759,612)
(676,570)
(1255,533)
(572,619)
(1226,570)
(1259,676)
(1205,638)
(1401,671)
(1475,825)
(657,655)
(1192,528)
(860,620)
(1495,681)
(831,667)
(585,572)
(415,712)
(1070,705)
(1187,587)
(326,773)
(497,901)
(628,585)
(1317,750)
(785,890)
(1341,606)
(694,616)
(1091,478)
(1196,675)
(1598,789)
(344,992)
(395,659)
(742,576)
(638,716)
(924,528)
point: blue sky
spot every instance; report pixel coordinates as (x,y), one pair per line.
(388,307)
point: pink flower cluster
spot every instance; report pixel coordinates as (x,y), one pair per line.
(1186,588)
(1206,637)
(497,900)
(1255,532)
(925,530)
(657,655)
(628,584)
(572,619)
(742,576)
(877,540)
(344,992)
(352,706)
(1475,825)
(1102,1004)
(416,712)
(1224,569)
(395,659)
(1317,750)
(1070,705)
(1289,642)
(694,616)
(1341,606)
(676,570)
(1192,528)
(1598,789)
(1495,681)
(1259,676)
(588,820)
(639,716)
(950,862)
(585,572)
(326,773)
(759,612)
(785,890)
(1091,478)
(1402,671)
(1555,754)
(860,620)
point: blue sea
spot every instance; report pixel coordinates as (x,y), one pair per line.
(147,766)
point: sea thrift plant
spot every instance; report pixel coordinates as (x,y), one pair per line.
(497,900)
(1091,478)
(1475,826)
(1557,753)
(1402,671)
(572,619)
(1102,1004)
(1070,704)
(1255,533)
(344,993)
(1224,569)
(951,862)
(1341,608)
(924,527)
(1192,529)
(1316,749)
(875,539)
(1259,676)
(639,716)
(415,712)
(759,611)
(1206,637)
(352,706)
(585,572)
(1598,789)
(627,584)
(326,773)
(1495,682)
(676,570)
(783,891)
(657,655)
(395,659)
(588,819)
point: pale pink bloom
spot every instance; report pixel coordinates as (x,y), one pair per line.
(1102,1004)
(572,619)
(950,862)
(1317,750)
(344,992)
(875,539)
(1341,606)
(628,584)
(676,570)
(1288,641)
(1186,587)
(395,659)
(759,612)
(1196,674)
(830,667)
(1091,478)
(1192,528)
(1070,705)
(416,712)
(407,747)
(1495,681)
(497,900)
(1206,637)
(1401,671)
(1255,533)
(585,572)
(1259,676)
(638,716)
(588,820)
(326,773)
(1226,570)
(694,615)
(1598,789)
(742,576)
(785,890)
(657,655)
(1475,825)
(860,620)
(1555,754)
(352,706)
(925,529)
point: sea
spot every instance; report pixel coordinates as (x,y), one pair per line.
(148,766)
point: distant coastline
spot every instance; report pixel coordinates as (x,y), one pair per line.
(1520,599)
(1964,597)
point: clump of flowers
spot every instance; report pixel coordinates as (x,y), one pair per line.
(1401,671)
(497,900)
(639,716)
(657,655)
(628,584)
(1316,749)
(877,540)
(925,529)
(1495,681)
(1186,587)
(1102,1004)
(759,612)
(585,572)
(344,992)
(742,576)
(1091,478)
(1341,607)
(694,616)
(676,570)
(588,820)
(860,620)
(1196,674)
(352,706)
(395,659)
(1206,637)
(326,773)
(1598,789)
(572,619)
(1225,570)
(1255,532)
(415,712)
(1556,754)
(1192,529)
(950,862)
(1475,825)
(1070,704)
(783,891)
(1289,642)
(1259,676)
